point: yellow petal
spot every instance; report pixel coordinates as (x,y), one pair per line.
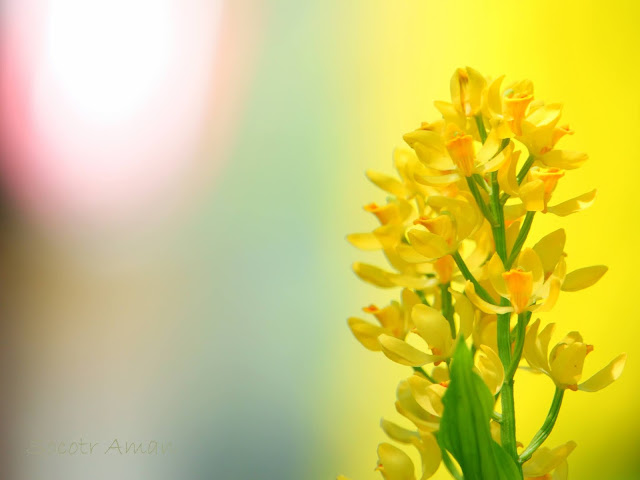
(373,275)
(545,460)
(514,212)
(407,406)
(495,269)
(566,367)
(545,115)
(532,195)
(583,278)
(564,159)
(497,160)
(466,312)
(444,179)
(394,464)
(430,149)
(428,244)
(364,241)
(485,332)
(529,261)
(507,175)
(398,433)
(552,296)
(366,333)
(536,347)
(606,376)
(427,394)
(481,304)
(430,455)
(490,368)
(433,328)
(550,249)
(388,183)
(574,205)
(401,352)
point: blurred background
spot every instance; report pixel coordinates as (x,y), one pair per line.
(177,181)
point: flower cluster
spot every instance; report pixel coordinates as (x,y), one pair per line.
(453,229)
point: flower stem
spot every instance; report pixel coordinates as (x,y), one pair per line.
(447,307)
(481,130)
(473,187)
(466,273)
(422,371)
(499,236)
(546,428)
(508,425)
(523,320)
(522,236)
(423,297)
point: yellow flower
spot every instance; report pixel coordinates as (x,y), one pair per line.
(394,320)
(438,236)
(467,86)
(548,464)
(433,328)
(394,464)
(565,362)
(524,285)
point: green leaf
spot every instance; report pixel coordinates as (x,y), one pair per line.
(464,428)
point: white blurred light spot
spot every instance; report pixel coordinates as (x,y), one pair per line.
(108,56)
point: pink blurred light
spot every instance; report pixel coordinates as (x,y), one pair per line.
(104,103)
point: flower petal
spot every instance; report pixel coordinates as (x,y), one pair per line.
(394,464)
(529,261)
(433,328)
(401,352)
(364,241)
(536,347)
(545,460)
(532,195)
(583,278)
(574,205)
(490,368)
(466,312)
(564,159)
(566,367)
(398,433)
(388,183)
(428,244)
(366,333)
(373,275)
(606,376)
(430,455)
(427,394)
(481,304)
(550,248)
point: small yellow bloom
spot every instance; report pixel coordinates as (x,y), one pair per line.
(548,464)
(394,464)
(394,320)
(524,285)
(565,362)
(467,86)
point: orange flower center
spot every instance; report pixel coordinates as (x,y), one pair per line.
(520,287)
(461,151)
(444,268)
(516,108)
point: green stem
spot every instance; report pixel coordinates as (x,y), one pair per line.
(466,273)
(521,328)
(481,130)
(447,307)
(508,425)
(423,297)
(522,236)
(497,417)
(525,169)
(481,181)
(422,371)
(546,428)
(473,187)
(499,235)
